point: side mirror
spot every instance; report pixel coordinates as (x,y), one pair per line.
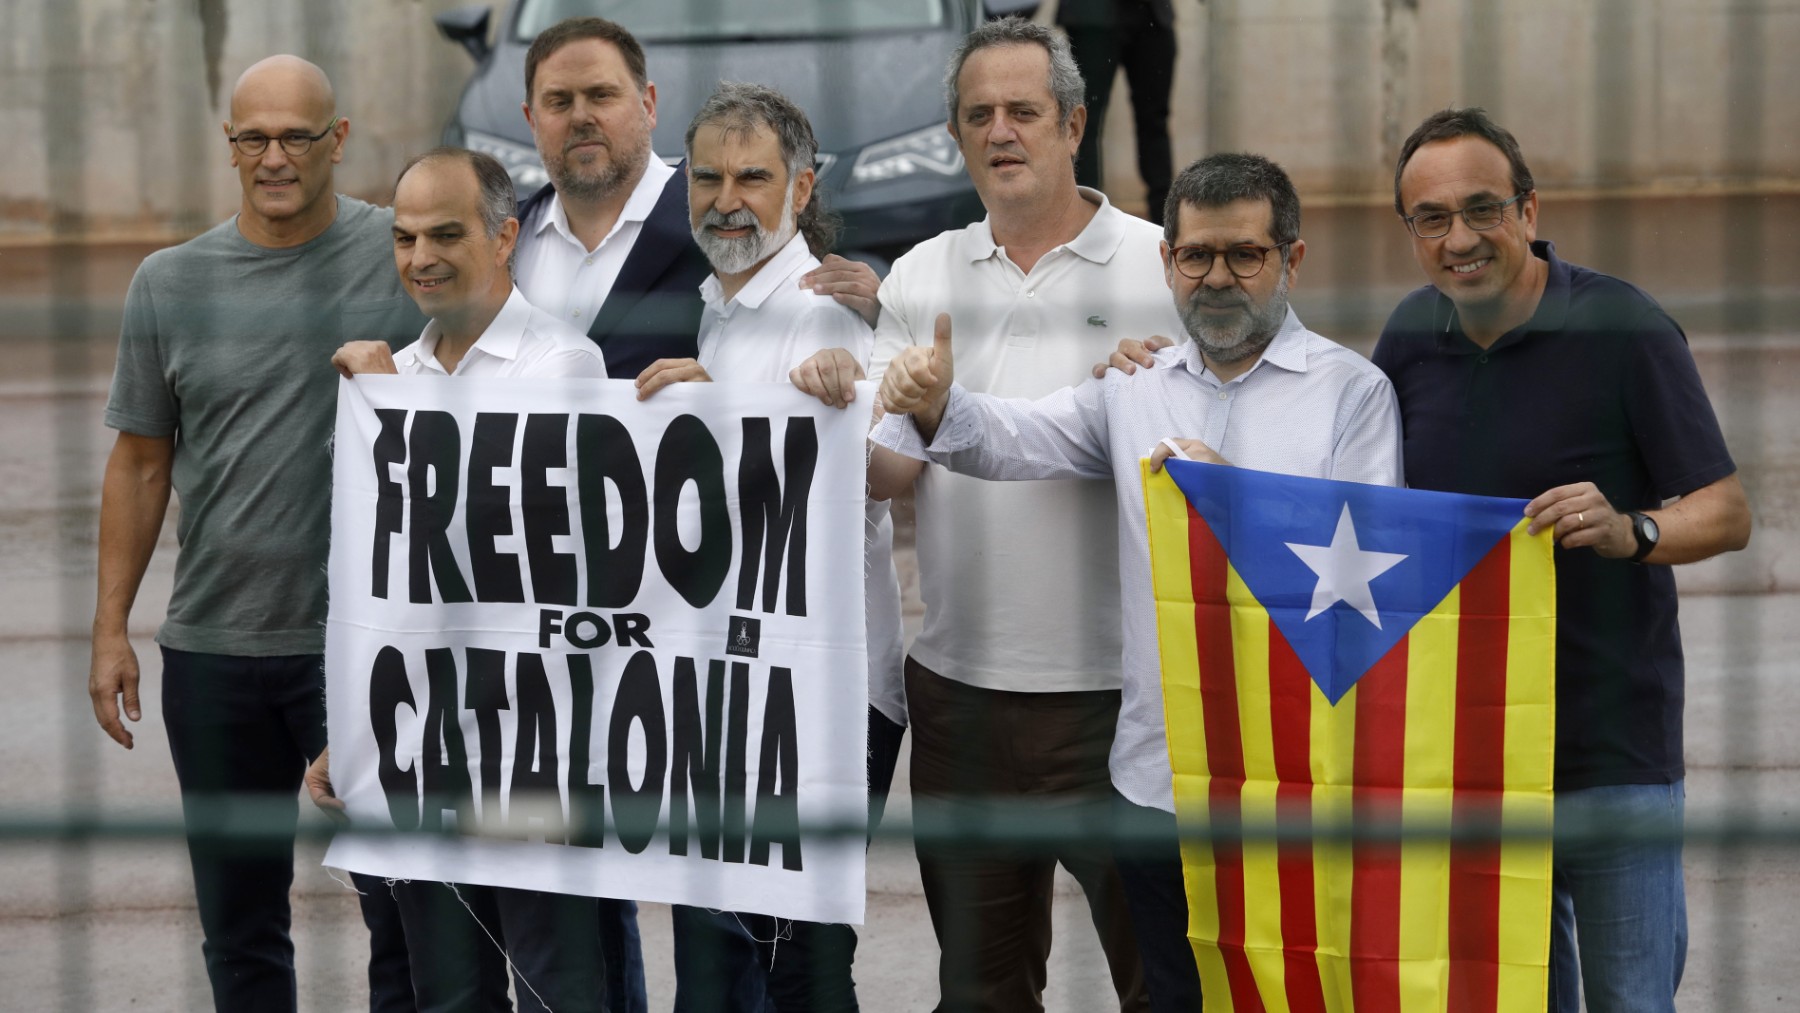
(467,27)
(995,9)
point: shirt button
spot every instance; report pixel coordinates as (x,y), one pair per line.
(1031,293)
(589,260)
(1482,360)
(574,313)
(1224,395)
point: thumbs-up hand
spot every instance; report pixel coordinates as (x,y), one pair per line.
(917,382)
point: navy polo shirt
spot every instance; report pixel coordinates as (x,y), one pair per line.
(1599,386)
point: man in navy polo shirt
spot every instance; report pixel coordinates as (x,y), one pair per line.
(1521,375)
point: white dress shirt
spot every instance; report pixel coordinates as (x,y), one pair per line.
(770,326)
(1011,605)
(566,279)
(522,340)
(1308,407)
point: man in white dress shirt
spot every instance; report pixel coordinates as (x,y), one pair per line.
(1253,388)
(751,209)
(605,248)
(1013,682)
(454,233)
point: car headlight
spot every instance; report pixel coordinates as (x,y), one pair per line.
(929,150)
(521,161)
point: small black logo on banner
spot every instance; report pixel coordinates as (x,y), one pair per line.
(744,636)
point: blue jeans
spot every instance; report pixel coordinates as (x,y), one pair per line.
(1619,912)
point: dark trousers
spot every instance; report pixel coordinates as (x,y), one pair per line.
(390,966)
(456,934)
(1149,857)
(1147,52)
(990,905)
(241,731)
(810,962)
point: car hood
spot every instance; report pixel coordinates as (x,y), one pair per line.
(855,91)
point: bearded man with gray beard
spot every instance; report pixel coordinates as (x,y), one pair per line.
(753,212)
(1253,388)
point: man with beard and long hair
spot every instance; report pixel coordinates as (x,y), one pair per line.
(756,216)
(1253,388)
(605,247)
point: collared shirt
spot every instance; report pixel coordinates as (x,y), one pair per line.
(770,326)
(1308,407)
(772,322)
(1598,386)
(1023,607)
(564,277)
(522,340)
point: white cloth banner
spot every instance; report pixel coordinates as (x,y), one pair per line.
(601,647)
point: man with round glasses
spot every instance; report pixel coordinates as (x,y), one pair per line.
(1253,388)
(1522,375)
(220,395)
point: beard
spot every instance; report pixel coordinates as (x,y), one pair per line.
(603,178)
(1242,335)
(735,256)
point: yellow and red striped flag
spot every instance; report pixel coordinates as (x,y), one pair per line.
(1338,656)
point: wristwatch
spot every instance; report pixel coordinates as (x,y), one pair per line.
(1644,527)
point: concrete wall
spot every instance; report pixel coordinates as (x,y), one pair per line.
(111,108)
(1658,95)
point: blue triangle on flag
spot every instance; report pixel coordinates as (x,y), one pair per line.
(1393,553)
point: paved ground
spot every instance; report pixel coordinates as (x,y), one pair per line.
(111,926)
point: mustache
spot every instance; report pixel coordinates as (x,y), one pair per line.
(582,135)
(742,218)
(1218,300)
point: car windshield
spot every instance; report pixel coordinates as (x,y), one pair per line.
(732,20)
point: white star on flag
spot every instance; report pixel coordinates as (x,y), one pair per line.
(1345,570)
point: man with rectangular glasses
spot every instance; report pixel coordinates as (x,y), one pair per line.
(1253,388)
(1522,375)
(219,395)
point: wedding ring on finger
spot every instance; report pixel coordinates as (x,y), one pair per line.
(1580,521)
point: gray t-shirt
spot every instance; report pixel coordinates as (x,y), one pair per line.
(227,346)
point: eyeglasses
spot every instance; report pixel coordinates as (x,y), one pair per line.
(1243,261)
(294,142)
(1480,217)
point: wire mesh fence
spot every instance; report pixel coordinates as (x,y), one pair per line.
(96,908)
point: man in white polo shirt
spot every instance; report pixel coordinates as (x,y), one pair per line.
(1013,683)
(454,233)
(752,212)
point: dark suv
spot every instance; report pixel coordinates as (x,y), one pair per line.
(869,73)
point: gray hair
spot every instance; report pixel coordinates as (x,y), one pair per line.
(1217,180)
(1065,77)
(743,108)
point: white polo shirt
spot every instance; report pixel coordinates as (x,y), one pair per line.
(770,326)
(522,340)
(566,279)
(1020,594)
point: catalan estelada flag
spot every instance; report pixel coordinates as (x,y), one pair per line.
(1339,657)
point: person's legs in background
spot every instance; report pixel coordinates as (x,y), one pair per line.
(1096,52)
(1147,52)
